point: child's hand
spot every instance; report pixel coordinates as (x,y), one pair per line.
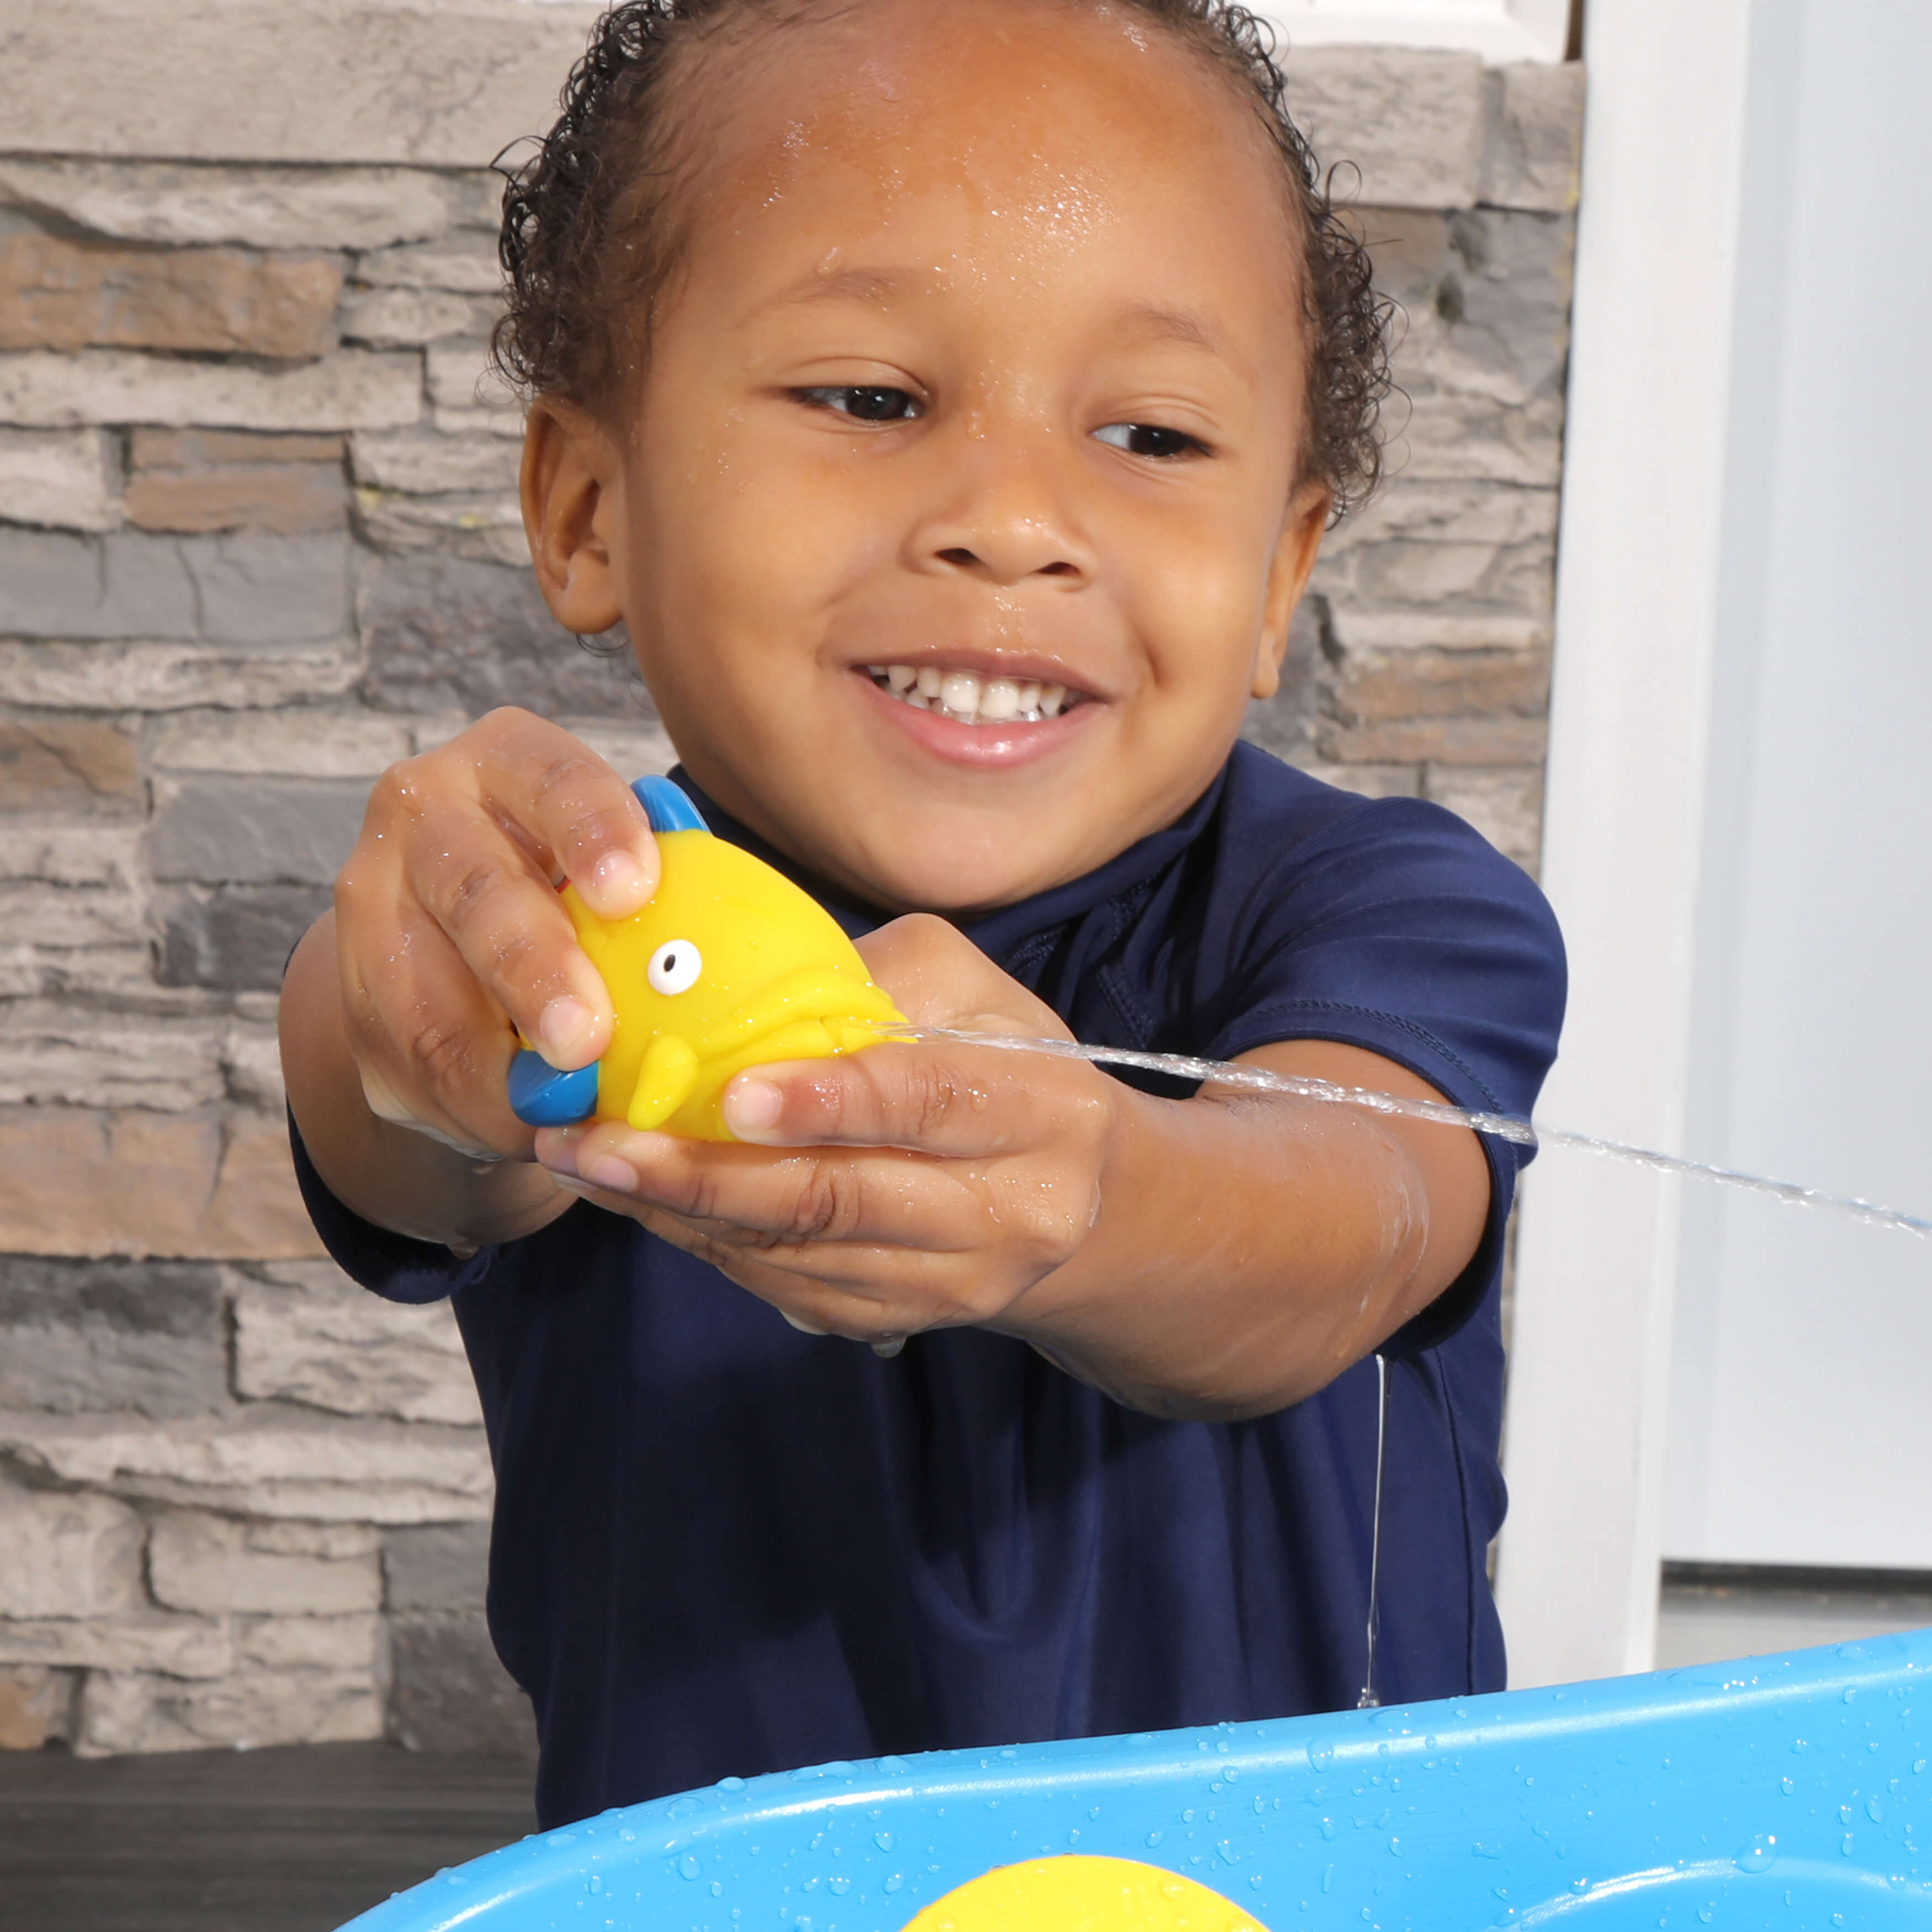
(905,1187)
(448,931)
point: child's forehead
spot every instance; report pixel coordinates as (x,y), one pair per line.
(1028,106)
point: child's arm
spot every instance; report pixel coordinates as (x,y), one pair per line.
(397,1006)
(1216,1257)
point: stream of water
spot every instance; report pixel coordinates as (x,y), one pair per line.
(1504,1127)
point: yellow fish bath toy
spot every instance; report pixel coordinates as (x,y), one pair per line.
(728,965)
(1076,1892)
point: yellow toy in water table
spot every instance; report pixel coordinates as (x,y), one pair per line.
(1076,1892)
(728,965)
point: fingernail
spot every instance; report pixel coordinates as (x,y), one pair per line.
(752,1105)
(618,884)
(571,1184)
(561,1028)
(613,1175)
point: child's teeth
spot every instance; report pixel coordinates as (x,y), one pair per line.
(967,697)
(999,701)
(960,693)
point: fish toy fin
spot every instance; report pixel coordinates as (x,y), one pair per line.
(664,1080)
(667,807)
(541,1096)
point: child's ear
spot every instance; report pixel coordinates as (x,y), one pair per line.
(570,483)
(1294,557)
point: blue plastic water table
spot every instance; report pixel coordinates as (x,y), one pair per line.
(1791,1793)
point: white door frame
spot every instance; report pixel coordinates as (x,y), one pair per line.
(1636,622)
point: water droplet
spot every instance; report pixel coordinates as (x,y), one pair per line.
(1328,1878)
(1233,1772)
(840,1883)
(893,1766)
(1705,1913)
(1254,1879)
(1328,1827)
(1851,1694)
(717,1887)
(454,1878)
(1480,1850)
(731,1784)
(1845,1848)
(1757,1855)
(1429,1743)
(689,1867)
(1875,1808)
(558,1839)
(1321,1754)
(683,1808)
(893,1883)
(1154,1837)
(1788,1785)
(595,1882)
(1918,1767)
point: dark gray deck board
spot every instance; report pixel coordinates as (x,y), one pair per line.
(284,1840)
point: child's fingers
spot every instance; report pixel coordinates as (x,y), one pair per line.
(430,1045)
(842,1216)
(485,890)
(956,1101)
(574,813)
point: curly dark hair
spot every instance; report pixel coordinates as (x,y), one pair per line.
(590,234)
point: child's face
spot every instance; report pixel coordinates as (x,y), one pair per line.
(984,362)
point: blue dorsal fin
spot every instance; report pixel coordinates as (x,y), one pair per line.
(667,807)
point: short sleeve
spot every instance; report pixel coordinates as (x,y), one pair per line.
(394,1266)
(1397,928)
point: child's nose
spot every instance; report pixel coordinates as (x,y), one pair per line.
(1005,522)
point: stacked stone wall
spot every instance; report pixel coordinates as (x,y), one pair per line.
(258,540)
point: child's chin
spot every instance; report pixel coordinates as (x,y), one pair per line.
(959,890)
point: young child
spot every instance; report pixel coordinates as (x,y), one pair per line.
(949,400)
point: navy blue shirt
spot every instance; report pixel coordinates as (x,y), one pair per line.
(723,1546)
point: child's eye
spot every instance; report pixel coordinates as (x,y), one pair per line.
(1149,439)
(865,404)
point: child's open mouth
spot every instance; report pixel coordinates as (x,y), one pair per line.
(967,698)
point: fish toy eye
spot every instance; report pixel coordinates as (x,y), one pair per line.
(674,967)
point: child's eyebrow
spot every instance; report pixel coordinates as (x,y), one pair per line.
(874,286)
(878,287)
(1177,325)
